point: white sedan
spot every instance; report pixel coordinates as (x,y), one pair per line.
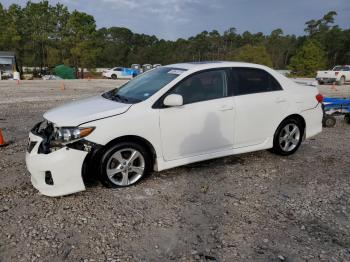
(120,72)
(168,117)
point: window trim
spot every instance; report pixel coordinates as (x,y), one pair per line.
(159,105)
(255,68)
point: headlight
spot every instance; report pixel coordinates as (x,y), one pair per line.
(66,135)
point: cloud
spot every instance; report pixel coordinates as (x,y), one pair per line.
(171,19)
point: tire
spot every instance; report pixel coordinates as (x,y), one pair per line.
(118,170)
(347,119)
(341,81)
(114,76)
(328,121)
(285,143)
(320,82)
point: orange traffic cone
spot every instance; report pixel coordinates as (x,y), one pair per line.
(2,141)
(62,86)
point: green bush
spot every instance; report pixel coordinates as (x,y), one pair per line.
(308,59)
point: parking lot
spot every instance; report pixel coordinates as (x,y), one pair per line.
(250,207)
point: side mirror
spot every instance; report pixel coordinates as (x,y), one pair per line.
(173,100)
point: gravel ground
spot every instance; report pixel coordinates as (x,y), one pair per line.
(250,207)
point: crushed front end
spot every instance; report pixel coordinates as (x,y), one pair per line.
(55,166)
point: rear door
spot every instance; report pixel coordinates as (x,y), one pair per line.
(261,105)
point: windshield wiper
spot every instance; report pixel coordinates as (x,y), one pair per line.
(121,98)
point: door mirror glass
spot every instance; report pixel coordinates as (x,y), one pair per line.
(173,100)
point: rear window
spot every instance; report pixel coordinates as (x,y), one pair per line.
(341,68)
(252,80)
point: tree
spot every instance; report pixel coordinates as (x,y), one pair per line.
(308,59)
(280,48)
(253,54)
(81,29)
(314,27)
(44,35)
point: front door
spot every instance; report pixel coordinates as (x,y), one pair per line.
(204,124)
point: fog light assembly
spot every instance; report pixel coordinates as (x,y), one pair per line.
(48,178)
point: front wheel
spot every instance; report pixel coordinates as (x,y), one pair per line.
(114,76)
(124,164)
(288,137)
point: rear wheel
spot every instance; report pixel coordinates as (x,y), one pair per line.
(288,137)
(347,118)
(124,164)
(341,81)
(328,121)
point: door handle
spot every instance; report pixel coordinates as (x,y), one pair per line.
(226,108)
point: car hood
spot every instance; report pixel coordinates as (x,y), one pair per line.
(85,110)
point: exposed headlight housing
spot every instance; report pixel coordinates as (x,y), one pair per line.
(67,135)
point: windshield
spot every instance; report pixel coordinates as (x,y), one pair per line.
(144,86)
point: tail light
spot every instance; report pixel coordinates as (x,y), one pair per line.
(336,73)
(319,98)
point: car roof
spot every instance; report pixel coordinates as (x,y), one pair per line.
(212,64)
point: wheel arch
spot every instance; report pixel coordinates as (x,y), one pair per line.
(92,160)
(136,139)
(297,117)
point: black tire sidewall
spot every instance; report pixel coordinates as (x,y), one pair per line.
(341,81)
(326,123)
(114,76)
(114,148)
(347,119)
(276,145)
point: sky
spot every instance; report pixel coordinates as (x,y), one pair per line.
(172,19)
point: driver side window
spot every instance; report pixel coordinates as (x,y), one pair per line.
(203,86)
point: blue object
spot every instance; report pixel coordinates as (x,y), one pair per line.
(336,105)
(129,72)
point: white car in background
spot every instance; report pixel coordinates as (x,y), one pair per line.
(339,74)
(167,117)
(120,73)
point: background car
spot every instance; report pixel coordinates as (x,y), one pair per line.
(146,67)
(339,74)
(120,72)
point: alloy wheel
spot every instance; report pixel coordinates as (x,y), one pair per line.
(289,137)
(125,167)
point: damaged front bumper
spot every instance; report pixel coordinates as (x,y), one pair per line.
(58,173)
(55,171)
